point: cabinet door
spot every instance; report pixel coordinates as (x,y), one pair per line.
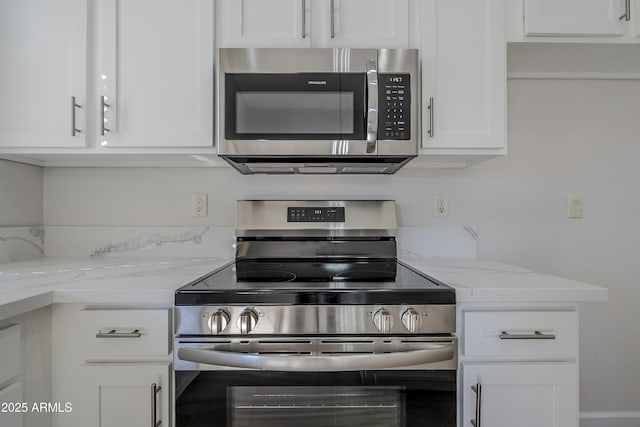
(12,416)
(155,67)
(635,18)
(43,47)
(574,18)
(115,395)
(263,23)
(361,23)
(464,74)
(520,394)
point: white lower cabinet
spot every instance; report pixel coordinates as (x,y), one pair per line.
(519,394)
(115,395)
(519,366)
(11,398)
(113,365)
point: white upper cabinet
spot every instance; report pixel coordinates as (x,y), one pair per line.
(313,23)
(155,70)
(575,17)
(43,49)
(263,23)
(361,23)
(463,77)
(612,21)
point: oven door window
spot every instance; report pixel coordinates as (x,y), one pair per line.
(277,399)
(319,406)
(295,106)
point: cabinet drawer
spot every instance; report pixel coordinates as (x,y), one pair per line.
(10,353)
(123,333)
(521,334)
(13,397)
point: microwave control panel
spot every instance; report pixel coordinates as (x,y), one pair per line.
(394,98)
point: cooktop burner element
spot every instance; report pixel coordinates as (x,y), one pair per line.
(327,258)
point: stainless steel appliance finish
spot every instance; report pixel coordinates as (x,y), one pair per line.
(318,354)
(318,110)
(314,268)
(315,318)
(268,218)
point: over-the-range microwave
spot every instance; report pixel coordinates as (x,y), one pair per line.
(317,110)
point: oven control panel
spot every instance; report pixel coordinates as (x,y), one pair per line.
(319,214)
(314,319)
(394,98)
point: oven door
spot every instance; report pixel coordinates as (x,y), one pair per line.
(408,381)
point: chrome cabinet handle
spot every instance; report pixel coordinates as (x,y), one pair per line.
(115,334)
(74,105)
(103,107)
(372,106)
(627,11)
(537,335)
(477,389)
(154,405)
(304,19)
(437,353)
(333,19)
(430,107)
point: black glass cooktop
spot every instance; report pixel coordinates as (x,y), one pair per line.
(315,283)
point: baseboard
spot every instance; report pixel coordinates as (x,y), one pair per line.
(610,419)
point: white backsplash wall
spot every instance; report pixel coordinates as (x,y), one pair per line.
(565,138)
(21,198)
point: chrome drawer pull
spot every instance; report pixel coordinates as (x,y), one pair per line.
(333,19)
(115,334)
(537,335)
(431,107)
(103,107)
(74,105)
(477,389)
(627,11)
(304,19)
(155,389)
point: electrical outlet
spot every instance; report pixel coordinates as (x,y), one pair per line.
(199,204)
(440,206)
(575,207)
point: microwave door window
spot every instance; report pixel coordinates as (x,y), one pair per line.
(280,114)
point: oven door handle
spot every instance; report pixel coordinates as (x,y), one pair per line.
(296,363)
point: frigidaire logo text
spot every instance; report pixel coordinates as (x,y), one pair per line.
(317,82)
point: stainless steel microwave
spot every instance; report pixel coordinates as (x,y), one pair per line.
(317,110)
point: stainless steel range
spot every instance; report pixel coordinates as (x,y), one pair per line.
(316,317)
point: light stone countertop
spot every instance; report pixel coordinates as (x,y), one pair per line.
(482,281)
(29,285)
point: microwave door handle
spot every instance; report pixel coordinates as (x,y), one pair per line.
(372,106)
(289,363)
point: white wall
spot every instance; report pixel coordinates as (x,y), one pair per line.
(21,198)
(565,137)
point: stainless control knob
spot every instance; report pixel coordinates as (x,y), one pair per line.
(383,320)
(411,320)
(218,321)
(247,321)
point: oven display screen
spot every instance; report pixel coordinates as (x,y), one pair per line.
(311,214)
